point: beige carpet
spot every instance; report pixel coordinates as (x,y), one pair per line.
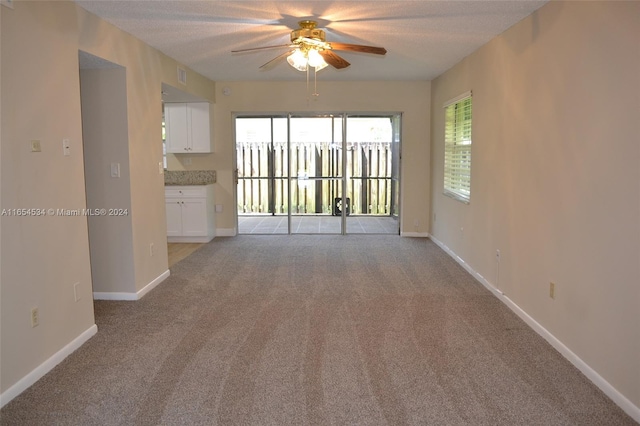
(314,330)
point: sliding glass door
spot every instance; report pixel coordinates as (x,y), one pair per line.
(262,174)
(321,174)
(316,163)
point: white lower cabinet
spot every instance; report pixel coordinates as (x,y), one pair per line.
(190,214)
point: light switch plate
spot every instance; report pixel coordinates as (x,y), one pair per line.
(66,147)
(115,170)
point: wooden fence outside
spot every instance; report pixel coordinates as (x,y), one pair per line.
(316,178)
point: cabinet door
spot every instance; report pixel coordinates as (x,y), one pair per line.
(176,123)
(174,217)
(200,127)
(194,217)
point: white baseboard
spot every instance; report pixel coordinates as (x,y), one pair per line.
(146,289)
(415,234)
(112,295)
(615,395)
(132,296)
(35,375)
(220,232)
(201,240)
(226,232)
(468,268)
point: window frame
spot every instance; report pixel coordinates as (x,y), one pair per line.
(458,142)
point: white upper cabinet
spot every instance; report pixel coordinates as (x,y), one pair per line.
(188,129)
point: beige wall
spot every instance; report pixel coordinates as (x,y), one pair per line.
(43,257)
(410,98)
(555,177)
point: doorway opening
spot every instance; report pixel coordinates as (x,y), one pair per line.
(103,96)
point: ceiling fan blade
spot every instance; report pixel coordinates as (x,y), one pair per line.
(261,48)
(276,58)
(358,48)
(333,59)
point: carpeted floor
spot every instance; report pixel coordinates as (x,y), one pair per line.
(314,330)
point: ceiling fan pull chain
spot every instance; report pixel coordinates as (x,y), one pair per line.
(315,82)
(308,99)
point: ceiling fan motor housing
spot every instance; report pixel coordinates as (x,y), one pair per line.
(307,30)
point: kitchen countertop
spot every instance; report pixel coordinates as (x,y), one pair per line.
(189,177)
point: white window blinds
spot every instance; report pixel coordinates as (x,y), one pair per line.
(457,149)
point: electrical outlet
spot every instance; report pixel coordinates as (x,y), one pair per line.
(552,290)
(36,146)
(35,317)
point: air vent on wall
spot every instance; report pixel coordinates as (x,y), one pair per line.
(182,75)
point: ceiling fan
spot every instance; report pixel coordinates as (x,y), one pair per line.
(309,48)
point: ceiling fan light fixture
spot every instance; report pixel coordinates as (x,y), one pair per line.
(316,60)
(298,60)
(302,59)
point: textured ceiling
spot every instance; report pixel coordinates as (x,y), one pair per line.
(423,38)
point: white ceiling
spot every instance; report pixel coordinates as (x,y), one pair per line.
(423,38)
